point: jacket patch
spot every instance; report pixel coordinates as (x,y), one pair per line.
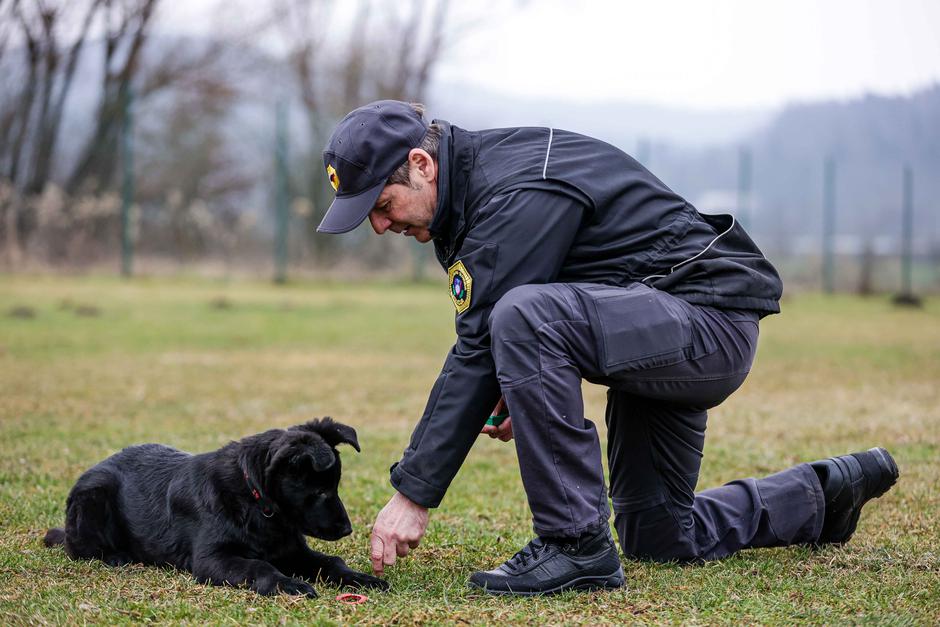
(461,284)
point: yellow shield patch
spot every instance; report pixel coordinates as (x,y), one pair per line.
(334,179)
(461,286)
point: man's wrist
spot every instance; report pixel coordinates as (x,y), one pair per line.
(404,500)
(417,490)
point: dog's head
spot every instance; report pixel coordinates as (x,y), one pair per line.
(302,477)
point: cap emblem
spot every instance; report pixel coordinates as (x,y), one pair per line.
(461,285)
(334,179)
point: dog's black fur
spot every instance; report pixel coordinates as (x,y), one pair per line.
(235,516)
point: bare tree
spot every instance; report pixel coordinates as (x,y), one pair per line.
(31,117)
(42,45)
(193,185)
(417,38)
(55,88)
(6,24)
(383,51)
(127,26)
(31,114)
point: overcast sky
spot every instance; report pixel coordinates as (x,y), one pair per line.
(703,53)
(685,53)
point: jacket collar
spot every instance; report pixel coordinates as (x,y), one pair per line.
(455,158)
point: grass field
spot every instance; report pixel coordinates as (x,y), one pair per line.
(88,366)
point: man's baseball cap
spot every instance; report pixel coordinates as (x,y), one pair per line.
(365,149)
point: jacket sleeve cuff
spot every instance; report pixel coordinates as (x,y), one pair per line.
(417,490)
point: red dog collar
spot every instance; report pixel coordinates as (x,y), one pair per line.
(266,508)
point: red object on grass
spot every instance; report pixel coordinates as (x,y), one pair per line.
(351,598)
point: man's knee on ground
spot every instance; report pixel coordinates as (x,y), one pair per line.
(655,535)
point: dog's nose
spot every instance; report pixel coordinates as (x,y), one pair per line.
(346,530)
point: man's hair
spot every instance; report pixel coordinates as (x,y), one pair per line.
(430,144)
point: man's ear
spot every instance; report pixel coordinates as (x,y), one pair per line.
(423,165)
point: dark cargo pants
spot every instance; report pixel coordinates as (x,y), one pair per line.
(666,363)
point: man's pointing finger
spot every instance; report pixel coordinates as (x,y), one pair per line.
(377,551)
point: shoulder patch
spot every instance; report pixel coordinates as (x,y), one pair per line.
(461,286)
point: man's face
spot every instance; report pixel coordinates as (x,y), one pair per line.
(408,209)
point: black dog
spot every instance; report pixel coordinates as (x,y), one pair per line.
(234,516)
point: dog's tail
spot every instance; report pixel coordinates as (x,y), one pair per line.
(54,537)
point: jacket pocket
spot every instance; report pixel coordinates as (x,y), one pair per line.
(638,327)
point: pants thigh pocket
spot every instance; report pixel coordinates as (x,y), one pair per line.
(638,327)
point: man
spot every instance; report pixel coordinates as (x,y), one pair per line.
(567,259)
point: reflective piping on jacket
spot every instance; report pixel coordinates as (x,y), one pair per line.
(693,257)
(551,133)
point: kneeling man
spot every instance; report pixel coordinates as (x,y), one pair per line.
(567,260)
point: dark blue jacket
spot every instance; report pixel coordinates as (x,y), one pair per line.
(536,205)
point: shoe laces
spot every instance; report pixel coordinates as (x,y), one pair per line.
(534,549)
(530,551)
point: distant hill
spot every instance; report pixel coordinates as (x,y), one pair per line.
(625,124)
(870,139)
(694,151)
(697,152)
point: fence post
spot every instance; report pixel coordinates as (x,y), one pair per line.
(907,297)
(280,193)
(907,230)
(127,184)
(829,224)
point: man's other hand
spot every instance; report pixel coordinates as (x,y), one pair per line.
(504,430)
(398,528)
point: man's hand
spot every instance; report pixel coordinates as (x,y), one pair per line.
(504,430)
(398,528)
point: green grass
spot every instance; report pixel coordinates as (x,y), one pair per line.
(162,362)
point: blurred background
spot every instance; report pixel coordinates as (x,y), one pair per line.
(151,137)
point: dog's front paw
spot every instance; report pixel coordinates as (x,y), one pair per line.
(286,585)
(296,586)
(118,559)
(362,580)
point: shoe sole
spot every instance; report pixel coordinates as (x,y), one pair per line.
(611,581)
(889,476)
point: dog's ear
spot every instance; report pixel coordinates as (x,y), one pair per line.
(297,448)
(321,456)
(332,432)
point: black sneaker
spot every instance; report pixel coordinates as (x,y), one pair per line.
(848,483)
(547,566)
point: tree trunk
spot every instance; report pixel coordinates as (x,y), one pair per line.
(98,158)
(51,118)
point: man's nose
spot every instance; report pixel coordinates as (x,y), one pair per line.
(380,224)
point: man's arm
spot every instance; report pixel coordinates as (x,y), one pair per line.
(519,238)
